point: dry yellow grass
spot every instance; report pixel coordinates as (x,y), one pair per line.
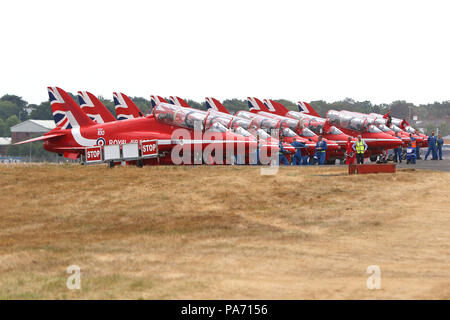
(222,232)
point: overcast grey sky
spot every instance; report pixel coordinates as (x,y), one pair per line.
(375,50)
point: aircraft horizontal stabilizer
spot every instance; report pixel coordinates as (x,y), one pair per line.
(47,137)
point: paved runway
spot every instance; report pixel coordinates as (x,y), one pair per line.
(441,165)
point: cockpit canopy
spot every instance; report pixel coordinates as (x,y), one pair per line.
(304,116)
(397,122)
(179,116)
(347,121)
(241,122)
(307,133)
(291,124)
(379,121)
(217,127)
(383,127)
(265,123)
(410,129)
(395,128)
(334,131)
(289,133)
(373,129)
(212,118)
(242,132)
(262,134)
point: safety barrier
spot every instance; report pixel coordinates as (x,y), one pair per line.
(371,168)
(124,152)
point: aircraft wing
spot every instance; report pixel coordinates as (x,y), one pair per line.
(49,136)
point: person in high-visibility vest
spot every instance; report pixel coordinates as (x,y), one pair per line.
(360,147)
(415,146)
(321,148)
(413,141)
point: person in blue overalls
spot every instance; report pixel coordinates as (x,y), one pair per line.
(305,160)
(398,152)
(439,144)
(282,155)
(431,141)
(297,158)
(321,148)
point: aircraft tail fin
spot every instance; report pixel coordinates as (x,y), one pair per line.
(275,107)
(179,102)
(306,108)
(154,100)
(215,104)
(93,107)
(125,107)
(255,105)
(66,112)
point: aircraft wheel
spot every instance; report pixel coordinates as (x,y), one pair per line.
(373,158)
(111,164)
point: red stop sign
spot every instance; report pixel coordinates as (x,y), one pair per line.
(149,148)
(93,154)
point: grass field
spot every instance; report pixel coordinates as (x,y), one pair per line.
(222,232)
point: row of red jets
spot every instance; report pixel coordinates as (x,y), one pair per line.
(90,123)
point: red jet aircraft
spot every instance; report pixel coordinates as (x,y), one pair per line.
(75,131)
(260,128)
(240,126)
(335,138)
(403,125)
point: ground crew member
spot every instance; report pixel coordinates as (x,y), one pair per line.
(349,151)
(282,155)
(321,148)
(414,145)
(439,144)
(431,141)
(297,158)
(398,152)
(360,147)
(389,120)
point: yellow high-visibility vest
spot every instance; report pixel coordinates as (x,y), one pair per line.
(359,146)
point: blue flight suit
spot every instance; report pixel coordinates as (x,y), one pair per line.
(431,148)
(321,148)
(282,155)
(297,158)
(305,160)
(240,158)
(254,156)
(439,143)
(398,154)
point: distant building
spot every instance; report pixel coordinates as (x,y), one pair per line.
(30,129)
(4,144)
